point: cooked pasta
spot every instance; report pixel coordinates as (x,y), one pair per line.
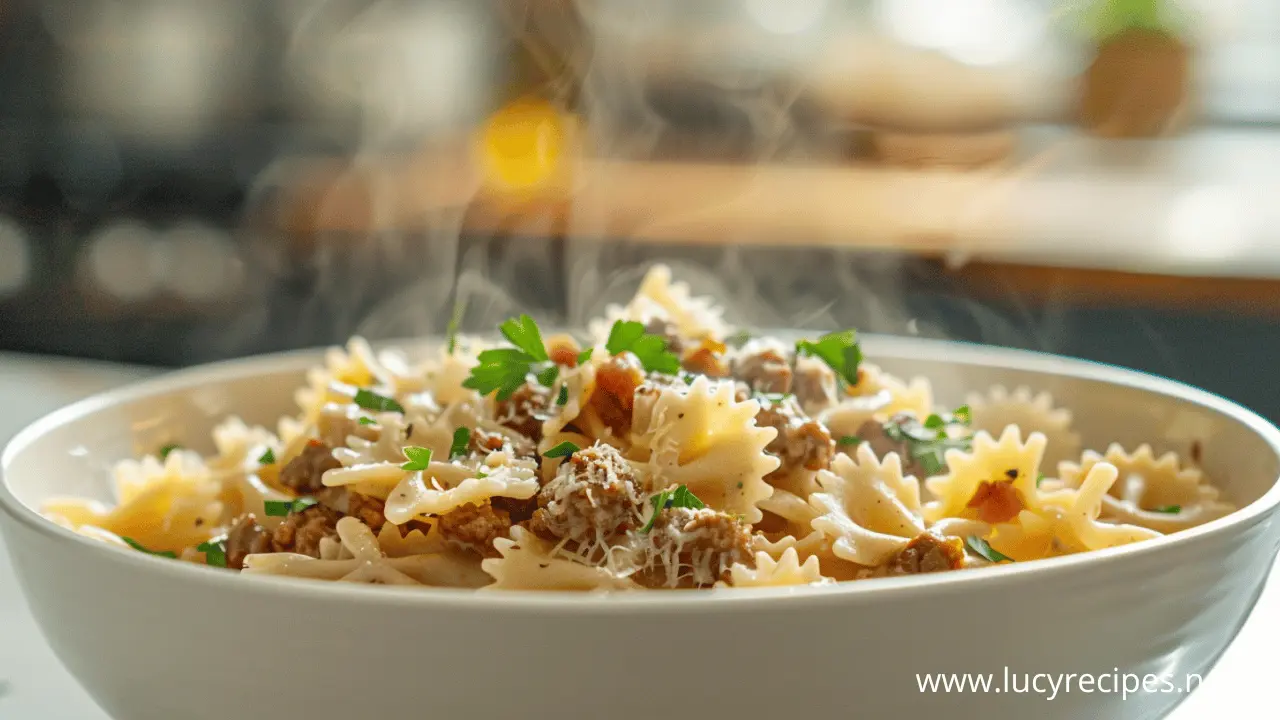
(669,451)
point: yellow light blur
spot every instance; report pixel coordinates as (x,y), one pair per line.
(523,144)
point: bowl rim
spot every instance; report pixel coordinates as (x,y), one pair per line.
(706,600)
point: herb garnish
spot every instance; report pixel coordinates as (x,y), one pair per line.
(215,551)
(461,440)
(1168,509)
(1039,479)
(281,508)
(505,369)
(164,451)
(677,497)
(584,356)
(370,400)
(839,350)
(367,421)
(850,440)
(983,548)
(419,458)
(563,398)
(140,547)
(564,449)
(651,350)
(268,457)
(927,443)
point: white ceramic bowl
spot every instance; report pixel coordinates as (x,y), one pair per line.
(154,639)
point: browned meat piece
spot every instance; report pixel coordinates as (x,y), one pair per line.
(525,411)
(764,367)
(692,548)
(814,383)
(926,553)
(593,498)
(707,359)
(302,532)
(367,509)
(302,474)
(518,510)
(801,442)
(666,331)
(614,396)
(564,351)
(484,442)
(246,537)
(474,527)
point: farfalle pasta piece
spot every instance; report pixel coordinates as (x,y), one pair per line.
(576,386)
(786,570)
(701,436)
(163,505)
(812,545)
(999,408)
(1007,467)
(528,562)
(915,396)
(658,298)
(871,510)
(1154,492)
(443,487)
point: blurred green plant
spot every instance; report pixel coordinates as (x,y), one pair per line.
(1102,19)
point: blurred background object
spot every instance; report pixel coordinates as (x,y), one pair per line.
(185,181)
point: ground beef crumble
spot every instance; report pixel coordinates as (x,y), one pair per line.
(614,395)
(301,533)
(475,527)
(764,366)
(594,497)
(927,552)
(689,548)
(526,410)
(801,441)
(303,473)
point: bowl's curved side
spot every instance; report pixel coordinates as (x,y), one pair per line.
(156,639)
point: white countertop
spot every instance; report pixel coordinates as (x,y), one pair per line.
(33,685)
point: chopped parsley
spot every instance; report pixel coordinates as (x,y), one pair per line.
(451,331)
(215,552)
(563,398)
(564,449)
(505,369)
(1168,509)
(584,356)
(651,350)
(268,457)
(419,457)
(677,497)
(850,440)
(141,548)
(461,440)
(983,548)
(164,451)
(839,350)
(367,421)
(1039,479)
(927,443)
(281,508)
(370,400)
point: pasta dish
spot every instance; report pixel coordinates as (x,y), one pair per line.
(659,449)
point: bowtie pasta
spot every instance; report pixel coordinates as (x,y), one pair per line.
(663,448)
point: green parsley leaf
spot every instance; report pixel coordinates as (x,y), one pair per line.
(935,422)
(678,497)
(138,546)
(370,400)
(523,333)
(651,350)
(419,458)
(282,508)
(501,369)
(1039,479)
(548,375)
(927,446)
(368,421)
(268,457)
(451,331)
(564,449)
(584,356)
(1168,509)
(983,548)
(164,451)
(215,552)
(563,398)
(461,440)
(963,415)
(839,350)
(850,440)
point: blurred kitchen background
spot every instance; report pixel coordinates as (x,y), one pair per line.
(185,180)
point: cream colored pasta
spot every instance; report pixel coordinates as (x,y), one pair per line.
(664,453)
